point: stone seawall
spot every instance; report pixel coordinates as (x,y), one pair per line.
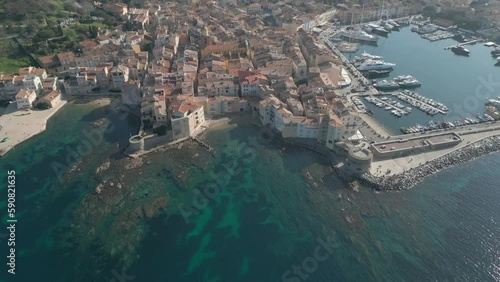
(411,177)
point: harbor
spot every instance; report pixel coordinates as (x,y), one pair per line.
(457,93)
(463,135)
(396,109)
(464,44)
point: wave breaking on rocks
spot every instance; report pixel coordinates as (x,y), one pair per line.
(410,178)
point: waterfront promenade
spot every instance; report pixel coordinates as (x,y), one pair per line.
(20,125)
(469,135)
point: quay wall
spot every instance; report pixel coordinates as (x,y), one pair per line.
(410,178)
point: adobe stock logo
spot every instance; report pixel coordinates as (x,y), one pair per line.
(309,265)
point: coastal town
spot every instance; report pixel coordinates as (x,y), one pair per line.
(179,67)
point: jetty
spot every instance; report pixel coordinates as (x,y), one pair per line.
(409,98)
(463,44)
(386,104)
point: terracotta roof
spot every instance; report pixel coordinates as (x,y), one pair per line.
(52,95)
(88,43)
(24,93)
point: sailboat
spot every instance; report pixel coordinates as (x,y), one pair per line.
(359,34)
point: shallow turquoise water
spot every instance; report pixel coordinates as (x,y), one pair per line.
(266,218)
(261,216)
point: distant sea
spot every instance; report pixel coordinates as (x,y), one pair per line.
(255,211)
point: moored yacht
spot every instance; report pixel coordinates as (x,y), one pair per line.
(393,23)
(359,35)
(403,78)
(367,28)
(496,52)
(460,50)
(386,85)
(375,65)
(428,28)
(409,83)
(376,73)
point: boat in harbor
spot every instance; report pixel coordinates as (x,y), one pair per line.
(428,28)
(367,56)
(460,50)
(496,52)
(359,35)
(375,65)
(403,78)
(394,24)
(367,28)
(380,31)
(376,73)
(386,85)
(409,83)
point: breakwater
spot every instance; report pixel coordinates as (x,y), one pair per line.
(411,177)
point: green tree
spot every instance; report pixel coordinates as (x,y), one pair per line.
(429,11)
(161,130)
(44,35)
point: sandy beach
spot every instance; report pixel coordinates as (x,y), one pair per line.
(20,125)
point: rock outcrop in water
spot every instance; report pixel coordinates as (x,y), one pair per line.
(410,178)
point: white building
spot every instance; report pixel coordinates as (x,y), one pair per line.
(222,88)
(119,75)
(267,109)
(131,93)
(308,129)
(253,8)
(335,131)
(32,81)
(351,121)
(52,99)
(250,86)
(25,98)
(281,116)
(185,117)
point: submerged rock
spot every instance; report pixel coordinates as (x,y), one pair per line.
(103,167)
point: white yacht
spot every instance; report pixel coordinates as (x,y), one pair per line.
(403,78)
(428,28)
(367,56)
(359,35)
(393,23)
(375,65)
(367,28)
(387,26)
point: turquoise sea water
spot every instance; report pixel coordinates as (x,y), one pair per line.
(266,217)
(253,212)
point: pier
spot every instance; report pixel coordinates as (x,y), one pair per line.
(419,101)
(463,44)
(387,104)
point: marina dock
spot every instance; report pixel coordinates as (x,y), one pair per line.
(463,44)
(419,101)
(386,104)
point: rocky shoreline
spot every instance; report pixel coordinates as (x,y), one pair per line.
(410,178)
